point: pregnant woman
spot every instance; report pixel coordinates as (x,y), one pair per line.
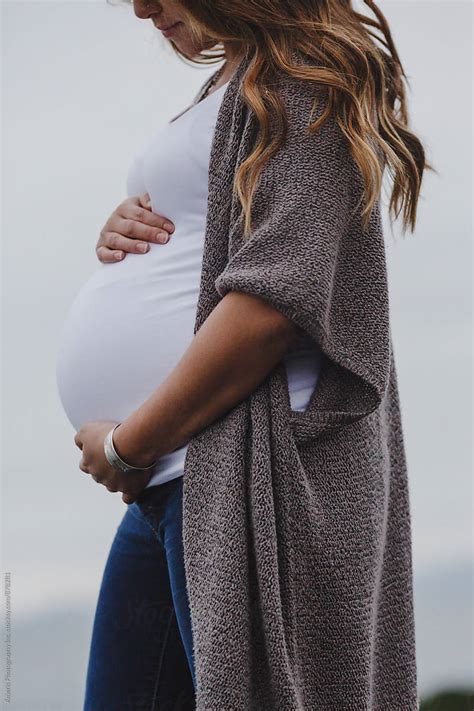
(146,306)
(234,361)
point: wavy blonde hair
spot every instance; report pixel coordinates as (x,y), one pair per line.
(353,56)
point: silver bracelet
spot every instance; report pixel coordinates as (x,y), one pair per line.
(113,458)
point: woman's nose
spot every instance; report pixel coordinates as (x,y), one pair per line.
(144,8)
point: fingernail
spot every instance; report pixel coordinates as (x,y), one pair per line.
(118,255)
(169,227)
(142,247)
(163,239)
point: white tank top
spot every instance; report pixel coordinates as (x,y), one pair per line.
(132,321)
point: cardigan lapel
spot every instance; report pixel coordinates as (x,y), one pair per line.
(230,123)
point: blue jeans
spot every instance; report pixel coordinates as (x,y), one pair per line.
(141,648)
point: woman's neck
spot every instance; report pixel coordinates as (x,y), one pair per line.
(233,56)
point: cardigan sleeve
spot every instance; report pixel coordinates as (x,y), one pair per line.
(308,256)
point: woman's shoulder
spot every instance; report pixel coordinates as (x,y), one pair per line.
(304,79)
(306,101)
(304,98)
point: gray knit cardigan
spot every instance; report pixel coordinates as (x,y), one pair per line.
(296,525)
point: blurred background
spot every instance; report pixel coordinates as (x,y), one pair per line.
(83,86)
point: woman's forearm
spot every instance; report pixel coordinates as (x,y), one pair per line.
(230,355)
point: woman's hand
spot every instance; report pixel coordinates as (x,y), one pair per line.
(129,229)
(90,439)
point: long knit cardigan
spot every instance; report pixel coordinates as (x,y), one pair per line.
(296,524)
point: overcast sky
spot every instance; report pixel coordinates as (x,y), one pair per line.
(84,83)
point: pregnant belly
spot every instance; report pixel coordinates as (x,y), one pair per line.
(124,333)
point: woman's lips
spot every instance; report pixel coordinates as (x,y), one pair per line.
(170,30)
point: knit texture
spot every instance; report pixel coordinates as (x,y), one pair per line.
(296,525)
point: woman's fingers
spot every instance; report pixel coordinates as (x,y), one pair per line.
(148,216)
(145,200)
(131,237)
(139,216)
(136,224)
(113,246)
(115,243)
(132,486)
(130,228)
(105,254)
